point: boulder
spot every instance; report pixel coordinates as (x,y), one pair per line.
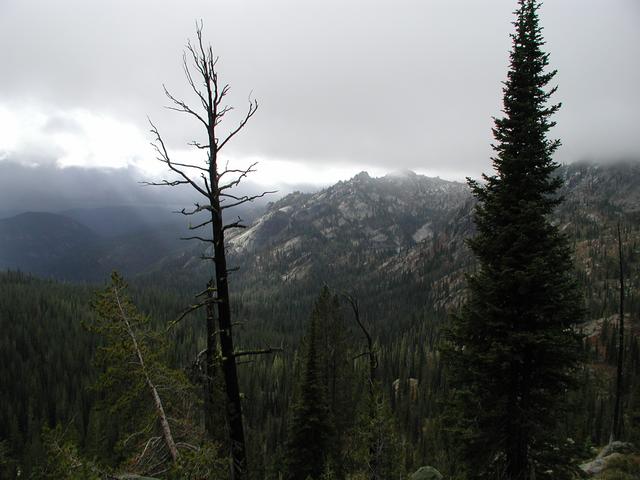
(617,447)
(426,473)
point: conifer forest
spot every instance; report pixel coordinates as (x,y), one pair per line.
(387,327)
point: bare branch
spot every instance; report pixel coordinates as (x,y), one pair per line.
(150,442)
(187,165)
(206,62)
(162,150)
(236,170)
(223,92)
(243,174)
(361,355)
(208,240)
(166,429)
(245,198)
(198,208)
(253,108)
(165,183)
(196,61)
(373,358)
(144,431)
(206,291)
(221,114)
(187,72)
(183,107)
(200,354)
(264,351)
(187,445)
(236,224)
(190,310)
(199,145)
(206,183)
(163,158)
(200,225)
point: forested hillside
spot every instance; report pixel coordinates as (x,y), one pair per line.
(405,290)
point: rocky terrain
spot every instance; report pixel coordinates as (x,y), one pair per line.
(399,231)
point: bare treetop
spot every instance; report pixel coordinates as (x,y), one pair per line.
(216,185)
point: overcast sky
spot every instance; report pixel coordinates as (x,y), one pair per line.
(343,85)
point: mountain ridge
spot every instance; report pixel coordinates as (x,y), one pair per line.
(400,224)
(408,201)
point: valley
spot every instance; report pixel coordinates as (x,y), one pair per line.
(396,243)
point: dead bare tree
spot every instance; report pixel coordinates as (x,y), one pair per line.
(370,352)
(376,446)
(214,185)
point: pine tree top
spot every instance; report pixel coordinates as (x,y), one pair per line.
(523,160)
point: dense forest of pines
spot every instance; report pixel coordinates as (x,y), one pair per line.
(500,363)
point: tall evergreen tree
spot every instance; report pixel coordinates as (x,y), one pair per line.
(311,429)
(617,415)
(512,350)
(377,446)
(130,356)
(152,406)
(336,363)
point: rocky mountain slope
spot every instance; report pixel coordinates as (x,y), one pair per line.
(402,231)
(351,228)
(410,230)
(389,213)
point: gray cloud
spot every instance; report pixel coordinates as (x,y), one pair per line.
(59,124)
(45,187)
(37,184)
(402,84)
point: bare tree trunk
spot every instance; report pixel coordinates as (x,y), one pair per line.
(162,417)
(229,367)
(207,182)
(374,450)
(617,413)
(373,362)
(209,381)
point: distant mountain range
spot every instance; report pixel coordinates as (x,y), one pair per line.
(86,244)
(397,229)
(407,232)
(58,246)
(387,213)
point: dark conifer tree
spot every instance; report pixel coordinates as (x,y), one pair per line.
(377,446)
(335,359)
(617,414)
(311,429)
(513,351)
